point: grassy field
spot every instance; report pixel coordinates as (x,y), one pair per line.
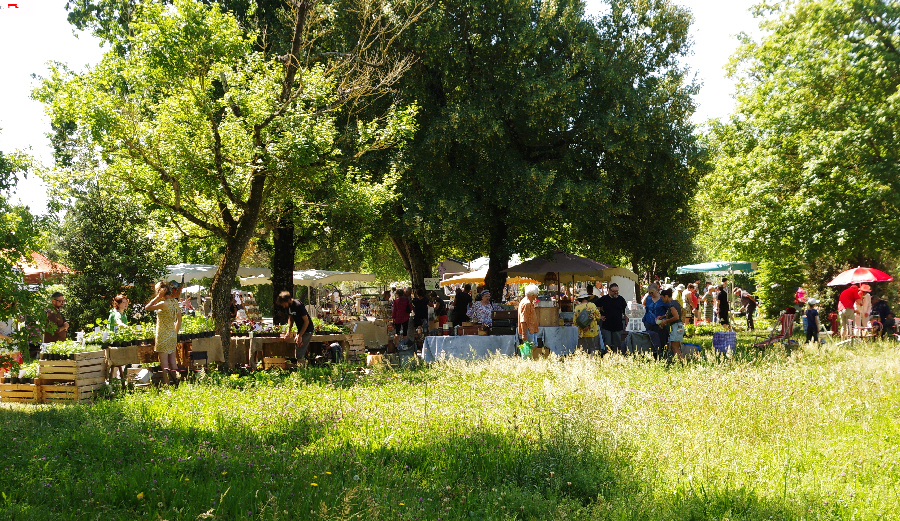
(812,435)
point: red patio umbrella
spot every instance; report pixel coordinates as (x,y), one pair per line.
(857,275)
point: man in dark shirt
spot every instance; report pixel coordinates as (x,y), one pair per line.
(883,310)
(56,331)
(298,315)
(461,303)
(612,306)
(723,306)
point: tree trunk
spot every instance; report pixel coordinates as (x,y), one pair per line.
(240,232)
(416,259)
(283,262)
(495,279)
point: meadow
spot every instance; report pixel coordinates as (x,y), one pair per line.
(807,435)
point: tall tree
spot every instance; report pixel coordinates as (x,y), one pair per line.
(806,168)
(539,129)
(195,120)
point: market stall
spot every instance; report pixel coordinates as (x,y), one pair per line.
(468,346)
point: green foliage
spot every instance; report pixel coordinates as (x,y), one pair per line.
(807,165)
(777,281)
(104,238)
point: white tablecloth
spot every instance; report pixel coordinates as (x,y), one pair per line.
(561,340)
(468,346)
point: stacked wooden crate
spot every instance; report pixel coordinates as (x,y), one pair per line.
(356,348)
(21,393)
(73,380)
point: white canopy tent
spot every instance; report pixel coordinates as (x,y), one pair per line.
(312,278)
(200,271)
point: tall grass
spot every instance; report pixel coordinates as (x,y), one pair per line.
(810,435)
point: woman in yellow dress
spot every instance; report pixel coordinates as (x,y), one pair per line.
(168,323)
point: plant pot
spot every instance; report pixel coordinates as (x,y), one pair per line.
(29,381)
(13,380)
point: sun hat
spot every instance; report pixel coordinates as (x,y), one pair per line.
(866,288)
(483,293)
(812,301)
(679,287)
(583,295)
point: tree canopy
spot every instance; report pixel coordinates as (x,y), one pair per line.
(540,128)
(806,169)
(190,116)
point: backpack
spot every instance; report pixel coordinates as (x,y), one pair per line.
(583,320)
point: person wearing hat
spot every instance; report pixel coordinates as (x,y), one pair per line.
(168,323)
(846,308)
(588,334)
(749,305)
(612,306)
(863,306)
(812,320)
(482,309)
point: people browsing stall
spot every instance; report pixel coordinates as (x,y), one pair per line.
(168,323)
(846,309)
(58,327)
(461,302)
(812,320)
(440,309)
(117,317)
(482,310)
(527,316)
(586,316)
(612,307)
(671,322)
(299,316)
(654,307)
(420,308)
(400,310)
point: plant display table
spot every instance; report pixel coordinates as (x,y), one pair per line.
(468,346)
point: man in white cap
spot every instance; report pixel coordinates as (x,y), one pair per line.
(812,320)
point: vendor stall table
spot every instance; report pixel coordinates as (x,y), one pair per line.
(468,346)
(561,340)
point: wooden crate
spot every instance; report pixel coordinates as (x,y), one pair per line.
(273,363)
(86,366)
(79,391)
(22,393)
(356,347)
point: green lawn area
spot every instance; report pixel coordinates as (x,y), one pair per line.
(810,435)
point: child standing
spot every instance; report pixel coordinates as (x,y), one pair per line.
(812,321)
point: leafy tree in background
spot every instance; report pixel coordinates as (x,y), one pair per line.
(19,232)
(540,129)
(191,118)
(104,239)
(806,170)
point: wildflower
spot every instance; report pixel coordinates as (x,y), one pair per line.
(223,473)
(402,505)
(140,496)
(329,473)
(314,484)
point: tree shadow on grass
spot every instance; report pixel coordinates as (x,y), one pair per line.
(107,461)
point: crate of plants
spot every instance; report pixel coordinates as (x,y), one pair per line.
(21,388)
(277,362)
(70,361)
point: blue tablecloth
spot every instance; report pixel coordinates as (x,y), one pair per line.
(468,346)
(561,340)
